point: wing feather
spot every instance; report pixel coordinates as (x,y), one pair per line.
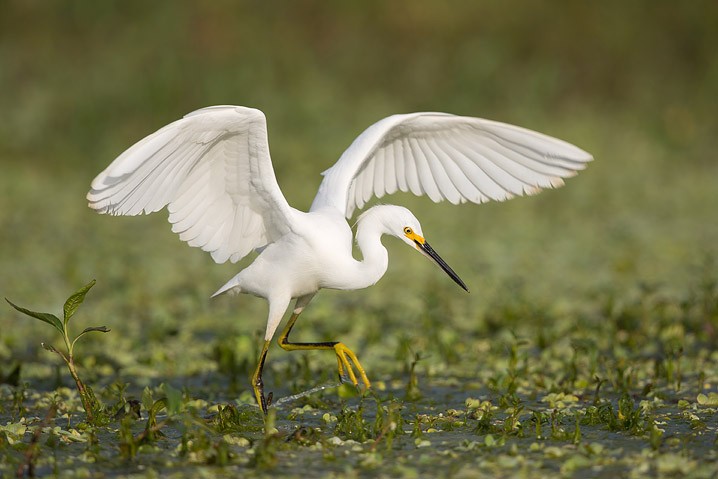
(213,171)
(426,175)
(379,171)
(368,183)
(402,149)
(502,184)
(165,175)
(439,170)
(463,184)
(390,182)
(400,167)
(446,157)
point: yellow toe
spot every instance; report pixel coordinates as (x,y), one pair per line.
(346,358)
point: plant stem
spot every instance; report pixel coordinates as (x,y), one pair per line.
(87,403)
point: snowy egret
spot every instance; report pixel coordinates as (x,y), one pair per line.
(213,170)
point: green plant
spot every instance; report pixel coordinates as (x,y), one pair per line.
(413,393)
(265,450)
(388,424)
(89,401)
(352,425)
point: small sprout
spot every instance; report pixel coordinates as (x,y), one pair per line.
(412,388)
(538,419)
(89,401)
(596,395)
(577,429)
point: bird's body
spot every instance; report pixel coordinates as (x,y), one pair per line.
(318,255)
(291,267)
(213,171)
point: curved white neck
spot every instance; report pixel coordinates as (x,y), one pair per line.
(375,258)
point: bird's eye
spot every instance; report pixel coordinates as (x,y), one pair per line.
(408,231)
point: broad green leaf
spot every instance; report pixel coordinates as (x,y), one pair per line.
(48,318)
(74,301)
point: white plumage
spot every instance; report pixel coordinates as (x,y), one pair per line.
(447,157)
(213,171)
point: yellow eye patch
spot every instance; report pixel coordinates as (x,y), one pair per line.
(409,233)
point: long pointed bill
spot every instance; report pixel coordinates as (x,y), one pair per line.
(429,252)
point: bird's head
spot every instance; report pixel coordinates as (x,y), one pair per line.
(400,222)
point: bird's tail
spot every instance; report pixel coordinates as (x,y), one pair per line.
(231,287)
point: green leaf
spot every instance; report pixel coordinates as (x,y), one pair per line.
(710,400)
(50,348)
(102,329)
(174,399)
(48,318)
(74,301)
(158,406)
(147,400)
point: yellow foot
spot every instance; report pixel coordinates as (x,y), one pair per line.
(344,356)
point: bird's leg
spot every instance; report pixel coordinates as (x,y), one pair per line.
(258,384)
(345,356)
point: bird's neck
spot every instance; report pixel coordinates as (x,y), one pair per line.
(375,258)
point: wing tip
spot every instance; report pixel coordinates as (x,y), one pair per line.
(243,110)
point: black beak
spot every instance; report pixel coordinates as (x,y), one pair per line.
(434,256)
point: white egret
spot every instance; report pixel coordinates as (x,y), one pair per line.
(213,171)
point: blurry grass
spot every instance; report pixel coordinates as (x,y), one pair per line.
(611,280)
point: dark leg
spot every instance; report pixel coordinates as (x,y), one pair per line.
(258,384)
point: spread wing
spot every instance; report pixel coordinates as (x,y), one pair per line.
(446,157)
(213,170)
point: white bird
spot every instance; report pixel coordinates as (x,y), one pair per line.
(213,171)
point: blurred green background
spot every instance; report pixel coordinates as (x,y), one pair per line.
(634,83)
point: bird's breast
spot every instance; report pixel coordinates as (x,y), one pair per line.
(303,261)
